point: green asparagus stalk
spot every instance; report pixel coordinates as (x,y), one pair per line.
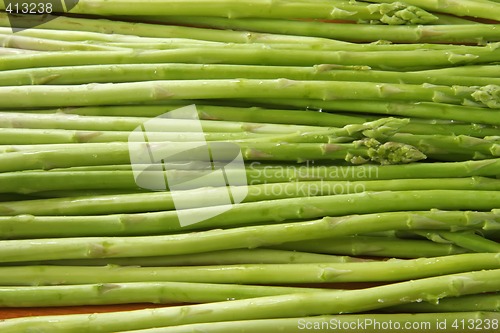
(397,108)
(146,43)
(204,197)
(41,44)
(152,91)
(122,179)
(77,193)
(149,72)
(88,248)
(262,55)
(262,115)
(256,171)
(463,33)
(115,118)
(467,240)
(370,271)
(217,112)
(446,19)
(135,42)
(61,156)
(97,123)
(73,35)
(30,182)
(345,323)
(37,139)
(138,292)
(9,52)
(433,127)
(338,46)
(96,154)
(374,246)
(27,226)
(285,306)
(224,257)
(482,302)
(28,42)
(308,142)
(473,8)
(212,240)
(397,13)
(488,71)
(311,118)
(28,137)
(108,27)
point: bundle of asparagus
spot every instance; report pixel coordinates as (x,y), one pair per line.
(368,188)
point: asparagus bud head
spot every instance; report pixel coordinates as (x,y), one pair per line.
(488,95)
(384,127)
(387,153)
(398,13)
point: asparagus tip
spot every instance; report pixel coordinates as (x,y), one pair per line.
(387,153)
(488,95)
(398,13)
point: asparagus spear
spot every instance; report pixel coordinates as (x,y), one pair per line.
(487,70)
(82,248)
(221,113)
(261,115)
(204,197)
(370,323)
(285,306)
(309,143)
(214,240)
(167,222)
(482,302)
(398,108)
(149,72)
(172,43)
(72,35)
(60,156)
(29,182)
(225,257)
(397,13)
(79,193)
(466,240)
(249,116)
(473,8)
(57,42)
(261,55)
(462,33)
(151,91)
(374,246)
(138,292)
(433,127)
(371,271)
(106,26)
(96,123)
(41,44)
(447,19)
(119,178)
(28,137)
